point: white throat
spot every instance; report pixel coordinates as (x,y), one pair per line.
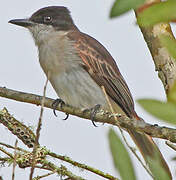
(42,33)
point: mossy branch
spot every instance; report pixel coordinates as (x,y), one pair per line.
(25,158)
(103,117)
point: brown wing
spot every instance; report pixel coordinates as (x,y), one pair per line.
(103,69)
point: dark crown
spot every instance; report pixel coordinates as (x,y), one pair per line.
(57,16)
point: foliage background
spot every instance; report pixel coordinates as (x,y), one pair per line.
(20,70)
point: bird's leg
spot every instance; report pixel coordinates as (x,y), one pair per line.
(54,105)
(93,110)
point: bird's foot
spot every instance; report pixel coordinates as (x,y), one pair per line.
(93,113)
(58,102)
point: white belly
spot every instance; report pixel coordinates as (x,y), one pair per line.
(77,88)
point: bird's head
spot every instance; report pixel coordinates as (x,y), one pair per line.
(47,20)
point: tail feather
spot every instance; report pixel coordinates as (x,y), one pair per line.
(149,149)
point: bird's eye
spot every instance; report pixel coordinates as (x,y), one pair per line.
(47,19)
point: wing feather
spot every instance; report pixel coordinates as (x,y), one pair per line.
(102,68)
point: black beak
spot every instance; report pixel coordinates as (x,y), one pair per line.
(22,22)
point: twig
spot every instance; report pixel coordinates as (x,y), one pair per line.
(4,159)
(104,117)
(43,176)
(46,165)
(7,153)
(11,147)
(66,159)
(83,166)
(38,130)
(173,146)
(63,171)
(14,160)
(131,149)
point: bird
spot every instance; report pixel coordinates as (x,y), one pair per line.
(79,66)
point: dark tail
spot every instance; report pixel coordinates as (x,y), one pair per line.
(150,151)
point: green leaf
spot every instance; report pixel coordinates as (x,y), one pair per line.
(160,12)
(158,171)
(162,110)
(170,43)
(121,6)
(121,157)
(172,94)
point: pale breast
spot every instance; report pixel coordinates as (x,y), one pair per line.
(77,88)
(70,81)
(55,53)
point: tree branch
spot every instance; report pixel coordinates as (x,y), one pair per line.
(165,64)
(173,146)
(38,131)
(26,159)
(83,166)
(104,117)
